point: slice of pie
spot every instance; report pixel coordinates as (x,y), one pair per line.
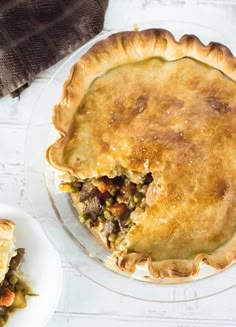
(13,290)
(148,147)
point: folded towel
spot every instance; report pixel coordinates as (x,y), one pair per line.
(35,34)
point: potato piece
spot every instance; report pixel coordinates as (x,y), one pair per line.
(19,301)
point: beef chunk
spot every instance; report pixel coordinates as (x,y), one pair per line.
(148,179)
(112,227)
(15,261)
(93,208)
(88,190)
(119,180)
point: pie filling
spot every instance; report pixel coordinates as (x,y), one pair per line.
(106,204)
(13,290)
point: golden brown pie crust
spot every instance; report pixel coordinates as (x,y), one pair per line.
(142,102)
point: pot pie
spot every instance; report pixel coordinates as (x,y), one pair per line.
(13,290)
(147,150)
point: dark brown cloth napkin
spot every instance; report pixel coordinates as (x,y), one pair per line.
(35,34)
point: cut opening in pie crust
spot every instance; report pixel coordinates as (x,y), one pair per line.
(106,204)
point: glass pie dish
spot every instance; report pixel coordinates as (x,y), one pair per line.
(59,219)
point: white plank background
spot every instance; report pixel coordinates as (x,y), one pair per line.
(82,302)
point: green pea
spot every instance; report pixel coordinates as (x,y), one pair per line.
(109,202)
(137,198)
(13,280)
(120,199)
(132,204)
(101,219)
(111,187)
(126,181)
(112,237)
(143,204)
(106,214)
(144,188)
(95,182)
(112,191)
(83,217)
(127,222)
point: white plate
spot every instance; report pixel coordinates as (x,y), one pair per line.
(41,267)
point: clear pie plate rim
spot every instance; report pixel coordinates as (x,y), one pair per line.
(41,192)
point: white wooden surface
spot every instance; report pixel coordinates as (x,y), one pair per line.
(82,302)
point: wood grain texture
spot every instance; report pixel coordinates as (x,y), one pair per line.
(82,302)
